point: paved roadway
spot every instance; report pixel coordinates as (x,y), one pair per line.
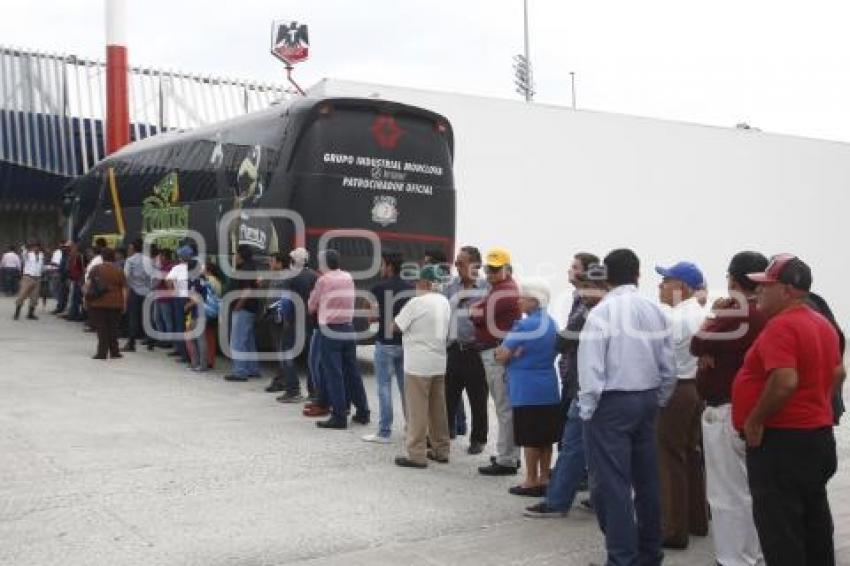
(138,461)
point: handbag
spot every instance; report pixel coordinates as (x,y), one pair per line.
(211,303)
(97,288)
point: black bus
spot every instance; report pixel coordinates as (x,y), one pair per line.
(339,163)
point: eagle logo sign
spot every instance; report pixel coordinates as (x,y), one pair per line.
(290,42)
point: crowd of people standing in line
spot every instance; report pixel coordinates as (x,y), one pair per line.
(672,411)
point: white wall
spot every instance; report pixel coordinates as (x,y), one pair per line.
(547,181)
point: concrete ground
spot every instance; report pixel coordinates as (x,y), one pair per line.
(138,461)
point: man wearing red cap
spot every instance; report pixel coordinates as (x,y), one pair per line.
(781,401)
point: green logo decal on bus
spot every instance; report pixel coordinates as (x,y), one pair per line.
(162,215)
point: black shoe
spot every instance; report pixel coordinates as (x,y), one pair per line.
(233,377)
(333,423)
(289,398)
(543,511)
(31,315)
(362,419)
(17,312)
(275,387)
(129,348)
(475,448)
(406,462)
(116,355)
(96,357)
(495,469)
(431,456)
(536,491)
(674,544)
(518,462)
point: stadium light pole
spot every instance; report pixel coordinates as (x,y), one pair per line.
(529,91)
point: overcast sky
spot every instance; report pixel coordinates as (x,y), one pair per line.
(781,66)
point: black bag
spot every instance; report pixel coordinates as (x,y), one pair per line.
(97,288)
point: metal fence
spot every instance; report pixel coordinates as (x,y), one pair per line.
(52,107)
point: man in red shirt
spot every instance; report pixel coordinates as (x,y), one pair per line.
(781,401)
(493,317)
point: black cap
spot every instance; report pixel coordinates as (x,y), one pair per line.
(743,263)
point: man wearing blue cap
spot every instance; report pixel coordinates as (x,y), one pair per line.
(684,508)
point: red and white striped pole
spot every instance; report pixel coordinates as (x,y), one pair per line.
(117,102)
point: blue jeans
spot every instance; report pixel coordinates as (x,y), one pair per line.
(314,365)
(340,374)
(243,343)
(164,318)
(570,468)
(389,359)
(622,450)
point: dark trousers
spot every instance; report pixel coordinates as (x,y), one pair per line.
(134,317)
(11,277)
(105,323)
(788,475)
(622,454)
(75,308)
(178,314)
(287,373)
(464,370)
(684,508)
(344,383)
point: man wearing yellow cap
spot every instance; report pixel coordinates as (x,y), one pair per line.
(493,318)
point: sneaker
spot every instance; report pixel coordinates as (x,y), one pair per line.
(543,511)
(289,398)
(377,439)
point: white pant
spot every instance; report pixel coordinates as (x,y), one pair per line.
(736,541)
(507,453)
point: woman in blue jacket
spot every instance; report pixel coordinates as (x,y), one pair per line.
(528,352)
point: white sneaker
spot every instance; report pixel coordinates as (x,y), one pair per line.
(376,438)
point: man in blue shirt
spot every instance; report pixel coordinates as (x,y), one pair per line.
(626,373)
(391,294)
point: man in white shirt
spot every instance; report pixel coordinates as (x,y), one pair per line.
(178,280)
(10,265)
(424,324)
(31,280)
(683,500)
(99,244)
